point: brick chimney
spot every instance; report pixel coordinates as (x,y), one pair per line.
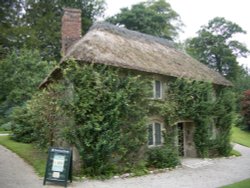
(71,28)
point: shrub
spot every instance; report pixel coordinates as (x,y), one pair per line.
(6,126)
(162,157)
(22,130)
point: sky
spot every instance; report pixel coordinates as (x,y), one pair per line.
(195,13)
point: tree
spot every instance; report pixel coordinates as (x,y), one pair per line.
(215,47)
(20,74)
(242,82)
(152,17)
(10,14)
(36,24)
(43,18)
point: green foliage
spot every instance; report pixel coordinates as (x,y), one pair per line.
(242,83)
(103,112)
(41,119)
(215,47)
(44,21)
(246,109)
(36,24)
(197,101)
(162,157)
(225,112)
(20,126)
(201,136)
(103,115)
(6,126)
(10,13)
(151,17)
(109,112)
(21,71)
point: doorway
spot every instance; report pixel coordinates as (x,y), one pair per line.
(180,139)
(186,145)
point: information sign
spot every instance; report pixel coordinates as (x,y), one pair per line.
(59,166)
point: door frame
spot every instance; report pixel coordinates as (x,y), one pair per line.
(185,131)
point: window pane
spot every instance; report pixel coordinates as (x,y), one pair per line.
(150,134)
(157,89)
(157,134)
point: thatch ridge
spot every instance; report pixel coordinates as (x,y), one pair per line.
(130,34)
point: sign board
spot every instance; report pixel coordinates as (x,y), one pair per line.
(59,166)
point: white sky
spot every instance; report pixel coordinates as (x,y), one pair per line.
(195,13)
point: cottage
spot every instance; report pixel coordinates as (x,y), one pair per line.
(146,55)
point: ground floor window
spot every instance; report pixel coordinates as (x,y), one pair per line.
(155,134)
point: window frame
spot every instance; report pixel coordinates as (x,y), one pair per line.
(155,90)
(153,125)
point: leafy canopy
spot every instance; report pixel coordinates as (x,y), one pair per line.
(152,17)
(21,71)
(10,12)
(36,24)
(215,47)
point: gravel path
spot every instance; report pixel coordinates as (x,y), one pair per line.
(195,173)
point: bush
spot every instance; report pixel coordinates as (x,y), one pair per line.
(162,157)
(6,126)
(21,128)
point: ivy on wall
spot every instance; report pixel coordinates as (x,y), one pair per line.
(109,110)
(196,101)
(103,111)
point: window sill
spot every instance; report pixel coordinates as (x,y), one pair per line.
(154,146)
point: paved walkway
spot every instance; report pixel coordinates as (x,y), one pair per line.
(195,173)
(15,173)
(215,173)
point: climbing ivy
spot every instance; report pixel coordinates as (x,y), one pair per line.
(224,111)
(103,112)
(109,109)
(197,101)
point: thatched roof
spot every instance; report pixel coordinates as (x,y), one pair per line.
(111,45)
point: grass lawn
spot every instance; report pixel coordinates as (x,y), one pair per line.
(241,137)
(241,184)
(235,153)
(28,152)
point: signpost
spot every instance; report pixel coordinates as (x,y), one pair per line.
(59,166)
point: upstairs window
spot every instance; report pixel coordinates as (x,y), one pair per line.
(155,134)
(157,89)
